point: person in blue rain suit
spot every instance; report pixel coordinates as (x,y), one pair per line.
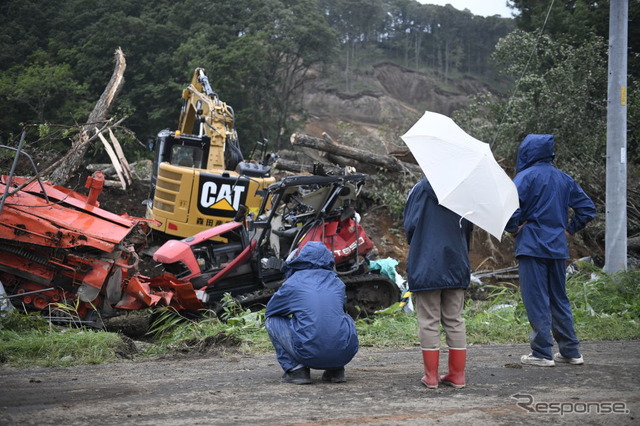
(541,226)
(438,273)
(307,321)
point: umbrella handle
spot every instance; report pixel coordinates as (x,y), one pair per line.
(463,216)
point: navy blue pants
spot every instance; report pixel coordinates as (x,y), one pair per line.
(280,334)
(542,285)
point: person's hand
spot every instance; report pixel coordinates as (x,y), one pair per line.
(520,227)
(567,233)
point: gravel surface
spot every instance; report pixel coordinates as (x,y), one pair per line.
(383,387)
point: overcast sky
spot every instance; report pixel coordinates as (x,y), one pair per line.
(477,7)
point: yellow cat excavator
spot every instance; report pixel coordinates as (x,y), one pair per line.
(200,178)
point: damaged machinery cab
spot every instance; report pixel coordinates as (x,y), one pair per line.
(200,178)
(295,210)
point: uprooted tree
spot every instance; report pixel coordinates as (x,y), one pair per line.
(74,158)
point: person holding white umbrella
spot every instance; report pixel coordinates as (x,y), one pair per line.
(464,184)
(438,272)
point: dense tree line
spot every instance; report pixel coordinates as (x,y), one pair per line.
(558,59)
(56,57)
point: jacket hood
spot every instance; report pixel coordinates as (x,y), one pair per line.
(534,149)
(313,255)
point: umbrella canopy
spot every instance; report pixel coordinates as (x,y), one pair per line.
(463,172)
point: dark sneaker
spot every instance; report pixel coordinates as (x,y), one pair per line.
(334,375)
(573,361)
(534,360)
(300,376)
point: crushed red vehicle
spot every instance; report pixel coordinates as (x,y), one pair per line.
(63,255)
(59,248)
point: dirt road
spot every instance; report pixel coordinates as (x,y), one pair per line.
(383,388)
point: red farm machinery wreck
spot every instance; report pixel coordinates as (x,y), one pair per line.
(62,255)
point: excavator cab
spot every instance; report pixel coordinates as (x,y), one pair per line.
(199,177)
(177,150)
(186,197)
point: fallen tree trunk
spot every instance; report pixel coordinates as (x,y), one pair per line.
(327,145)
(62,160)
(62,174)
(296,167)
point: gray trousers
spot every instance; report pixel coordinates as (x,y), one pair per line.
(435,307)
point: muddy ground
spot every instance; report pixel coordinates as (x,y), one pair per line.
(382,388)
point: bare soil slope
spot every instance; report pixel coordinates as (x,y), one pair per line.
(391,98)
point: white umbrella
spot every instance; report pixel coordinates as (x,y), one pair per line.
(463,172)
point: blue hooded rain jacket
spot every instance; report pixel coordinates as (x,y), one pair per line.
(546,194)
(323,334)
(438,242)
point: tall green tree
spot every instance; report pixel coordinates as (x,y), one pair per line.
(571,20)
(561,88)
(427,36)
(358,23)
(49,91)
(270,59)
(563,19)
(559,91)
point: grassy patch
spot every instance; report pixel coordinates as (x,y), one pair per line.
(501,318)
(605,307)
(25,341)
(495,323)
(239,328)
(397,329)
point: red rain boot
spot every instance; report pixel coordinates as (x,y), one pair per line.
(455,376)
(431,359)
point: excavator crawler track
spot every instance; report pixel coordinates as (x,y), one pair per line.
(369,293)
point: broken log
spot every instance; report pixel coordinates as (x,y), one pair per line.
(296,167)
(126,168)
(62,174)
(57,164)
(115,161)
(292,166)
(327,145)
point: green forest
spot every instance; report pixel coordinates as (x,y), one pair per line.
(56,57)
(548,66)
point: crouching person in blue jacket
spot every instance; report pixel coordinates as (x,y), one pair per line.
(306,319)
